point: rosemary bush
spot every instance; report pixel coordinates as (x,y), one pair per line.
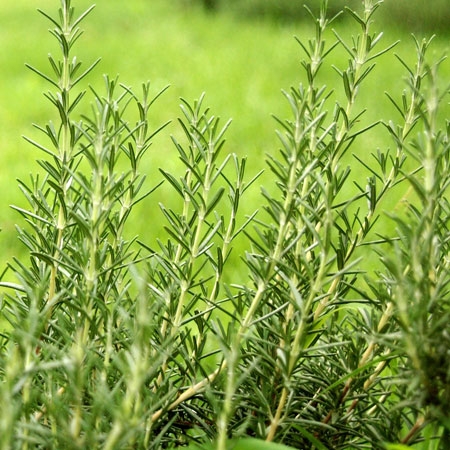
(116,343)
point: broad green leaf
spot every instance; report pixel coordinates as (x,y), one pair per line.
(257,444)
(243,444)
(397,447)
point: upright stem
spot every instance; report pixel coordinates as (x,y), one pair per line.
(65,150)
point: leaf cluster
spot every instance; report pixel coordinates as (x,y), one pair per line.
(117,343)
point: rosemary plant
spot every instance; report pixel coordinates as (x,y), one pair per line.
(116,343)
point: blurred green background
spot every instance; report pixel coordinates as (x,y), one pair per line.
(241,53)
(409,15)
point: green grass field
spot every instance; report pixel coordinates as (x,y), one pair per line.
(241,64)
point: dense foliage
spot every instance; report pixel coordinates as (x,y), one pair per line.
(339,336)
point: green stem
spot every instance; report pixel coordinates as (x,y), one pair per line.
(65,151)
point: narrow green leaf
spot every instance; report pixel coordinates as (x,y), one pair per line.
(347,87)
(356,17)
(82,16)
(171,179)
(86,72)
(215,200)
(57,25)
(382,52)
(363,130)
(42,75)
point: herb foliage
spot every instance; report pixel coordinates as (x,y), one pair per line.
(114,343)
